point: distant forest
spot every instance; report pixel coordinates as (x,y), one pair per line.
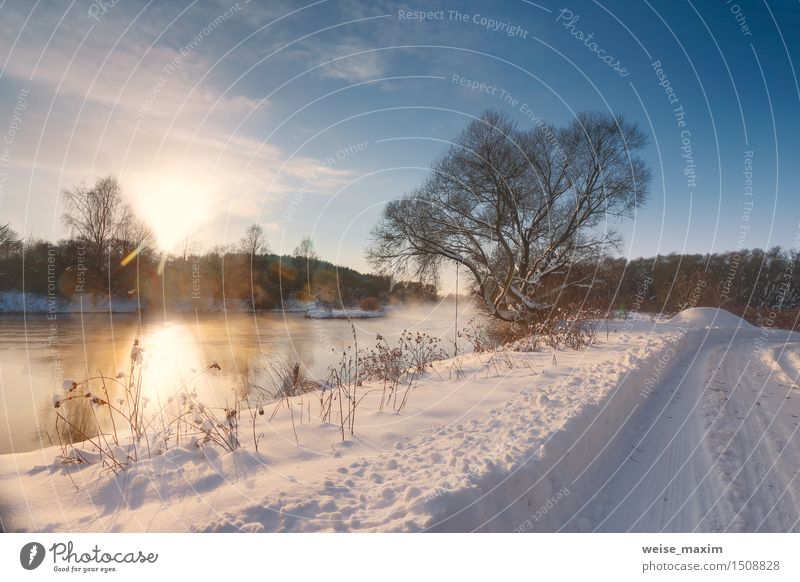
(761,286)
(261,281)
(751,283)
(111,252)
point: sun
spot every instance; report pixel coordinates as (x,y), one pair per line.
(174,205)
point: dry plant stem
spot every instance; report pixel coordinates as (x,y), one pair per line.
(87,438)
(360,400)
(383,396)
(110,410)
(291,413)
(64,454)
(341,409)
(253,418)
(100,434)
(355,384)
(408,389)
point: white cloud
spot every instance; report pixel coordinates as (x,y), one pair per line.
(109,102)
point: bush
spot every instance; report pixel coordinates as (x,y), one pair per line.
(486,334)
(413,354)
(479,334)
(569,328)
(370,304)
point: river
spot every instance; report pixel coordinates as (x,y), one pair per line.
(37,354)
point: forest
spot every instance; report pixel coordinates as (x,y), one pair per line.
(110,252)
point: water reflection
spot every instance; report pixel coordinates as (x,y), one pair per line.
(171,360)
(37,354)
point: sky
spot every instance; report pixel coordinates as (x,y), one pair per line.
(308,117)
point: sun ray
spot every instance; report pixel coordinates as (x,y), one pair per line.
(132,255)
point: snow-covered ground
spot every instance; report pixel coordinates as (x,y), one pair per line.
(17,302)
(33,303)
(344,313)
(678,426)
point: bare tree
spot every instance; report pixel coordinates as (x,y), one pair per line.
(9,241)
(189,247)
(305,250)
(517,207)
(304,253)
(133,234)
(254,243)
(96,214)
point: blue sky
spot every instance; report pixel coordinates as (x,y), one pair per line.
(307,118)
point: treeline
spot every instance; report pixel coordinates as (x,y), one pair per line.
(754,283)
(110,252)
(269,281)
(262,281)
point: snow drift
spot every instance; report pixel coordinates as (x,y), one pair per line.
(709,318)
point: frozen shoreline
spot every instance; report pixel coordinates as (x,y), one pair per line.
(344,313)
(17,303)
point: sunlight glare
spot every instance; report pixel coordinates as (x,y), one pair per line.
(175,206)
(172,359)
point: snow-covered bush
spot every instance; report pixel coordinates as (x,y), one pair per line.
(390,364)
(573,329)
(482,334)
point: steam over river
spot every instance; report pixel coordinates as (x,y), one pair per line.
(36,354)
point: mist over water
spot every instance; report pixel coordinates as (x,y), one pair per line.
(36,354)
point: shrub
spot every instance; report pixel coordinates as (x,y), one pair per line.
(413,354)
(486,334)
(568,328)
(370,304)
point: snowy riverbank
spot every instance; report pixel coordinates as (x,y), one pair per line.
(13,302)
(644,430)
(344,313)
(31,303)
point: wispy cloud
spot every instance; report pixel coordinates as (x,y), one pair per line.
(352,62)
(143,96)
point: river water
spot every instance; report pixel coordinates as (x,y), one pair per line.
(37,354)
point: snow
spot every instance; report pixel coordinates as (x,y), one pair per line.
(343,313)
(18,302)
(31,303)
(709,318)
(657,427)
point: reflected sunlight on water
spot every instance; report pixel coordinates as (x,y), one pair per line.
(34,360)
(171,360)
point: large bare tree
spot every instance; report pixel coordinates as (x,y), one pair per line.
(516,207)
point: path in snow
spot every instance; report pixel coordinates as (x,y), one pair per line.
(714,447)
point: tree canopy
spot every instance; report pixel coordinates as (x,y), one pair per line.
(517,207)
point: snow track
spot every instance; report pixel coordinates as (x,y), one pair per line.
(713,449)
